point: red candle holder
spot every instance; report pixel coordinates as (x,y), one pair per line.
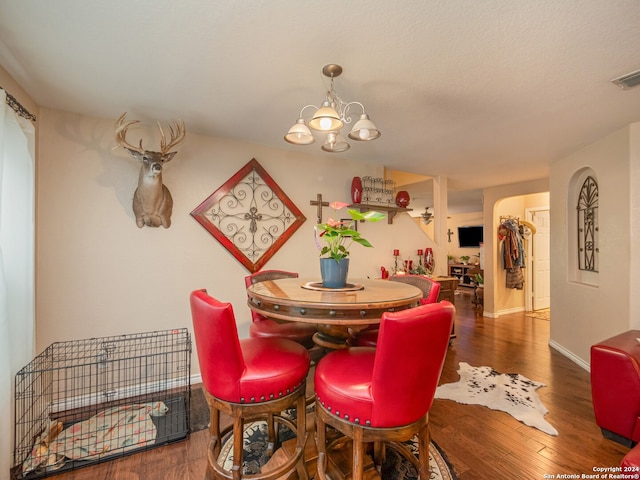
(396,253)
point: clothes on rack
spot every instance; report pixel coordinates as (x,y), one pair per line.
(513,255)
(515,278)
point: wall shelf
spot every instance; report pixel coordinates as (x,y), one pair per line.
(391,211)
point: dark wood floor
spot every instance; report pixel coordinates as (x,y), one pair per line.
(480,443)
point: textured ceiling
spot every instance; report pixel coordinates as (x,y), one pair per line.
(486,92)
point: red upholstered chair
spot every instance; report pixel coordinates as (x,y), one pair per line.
(263,327)
(615,387)
(430,291)
(384,394)
(631,461)
(247,379)
(430,288)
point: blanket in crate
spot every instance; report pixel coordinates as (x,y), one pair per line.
(111,431)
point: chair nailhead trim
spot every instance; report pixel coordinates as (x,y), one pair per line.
(263,398)
(346,416)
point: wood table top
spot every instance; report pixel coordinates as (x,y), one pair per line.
(288,299)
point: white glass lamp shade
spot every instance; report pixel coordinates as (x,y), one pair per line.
(335,143)
(326,119)
(299,134)
(364,129)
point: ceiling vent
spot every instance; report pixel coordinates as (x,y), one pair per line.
(628,81)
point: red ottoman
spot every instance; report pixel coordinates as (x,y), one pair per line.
(615,387)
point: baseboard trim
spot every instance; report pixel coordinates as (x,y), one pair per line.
(196,379)
(499,313)
(570,355)
(110,395)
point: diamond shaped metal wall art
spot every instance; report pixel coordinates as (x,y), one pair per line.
(250,215)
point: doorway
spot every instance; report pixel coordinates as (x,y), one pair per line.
(538,252)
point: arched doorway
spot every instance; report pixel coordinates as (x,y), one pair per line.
(508,298)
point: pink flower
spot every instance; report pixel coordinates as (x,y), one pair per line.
(339,235)
(338,205)
(333,223)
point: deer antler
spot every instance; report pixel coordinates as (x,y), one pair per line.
(177,136)
(121,133)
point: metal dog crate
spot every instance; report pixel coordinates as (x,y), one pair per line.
(88,401)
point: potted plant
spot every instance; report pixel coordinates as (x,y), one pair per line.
(465,259)
(339,235)
(478,290)
(450,259)
(419,270)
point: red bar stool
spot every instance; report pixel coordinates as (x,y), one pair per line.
(384,394)
(263,327)
(248,379)
(430,291)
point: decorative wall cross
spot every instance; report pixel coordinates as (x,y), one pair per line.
(449,233)
(319,204)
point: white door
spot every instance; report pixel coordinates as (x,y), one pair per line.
(541,260)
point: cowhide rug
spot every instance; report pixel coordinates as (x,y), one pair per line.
(507,392)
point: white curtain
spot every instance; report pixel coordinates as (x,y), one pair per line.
(17,253)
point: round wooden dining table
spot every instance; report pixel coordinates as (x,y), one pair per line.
(335,312)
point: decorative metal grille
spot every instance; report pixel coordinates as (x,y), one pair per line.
(250,216)
(588,225)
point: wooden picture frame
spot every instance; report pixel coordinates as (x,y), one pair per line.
(250,215)
(351,221)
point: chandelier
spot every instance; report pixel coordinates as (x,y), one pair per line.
(329,118)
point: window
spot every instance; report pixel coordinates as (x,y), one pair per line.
(17,240)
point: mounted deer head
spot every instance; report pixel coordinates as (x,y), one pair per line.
(152,202)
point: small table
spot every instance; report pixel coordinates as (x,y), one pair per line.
(448,286)
(335,312)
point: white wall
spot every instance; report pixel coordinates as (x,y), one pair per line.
(581,314)
(98,274)
(634,223)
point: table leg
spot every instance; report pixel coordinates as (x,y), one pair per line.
(335,337)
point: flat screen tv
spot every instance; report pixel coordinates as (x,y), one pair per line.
(471,236)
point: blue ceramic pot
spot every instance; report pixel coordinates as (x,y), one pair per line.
(334,274)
